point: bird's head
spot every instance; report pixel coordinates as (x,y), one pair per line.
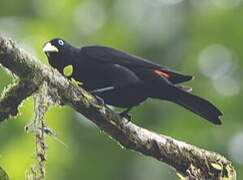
(55,46)
(58,51)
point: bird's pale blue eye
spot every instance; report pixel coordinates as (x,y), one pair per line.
(60,42)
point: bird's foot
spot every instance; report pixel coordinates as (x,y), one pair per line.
(94,100)
(76,82)
(126,115)
(99,102)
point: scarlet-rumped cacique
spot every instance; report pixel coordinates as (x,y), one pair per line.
(124,80)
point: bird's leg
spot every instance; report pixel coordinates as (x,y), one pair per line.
(96,92)
(101,90)
(100,100)
(125,113)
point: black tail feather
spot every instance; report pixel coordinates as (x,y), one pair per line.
(194,103)
(176,77)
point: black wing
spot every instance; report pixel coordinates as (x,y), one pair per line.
(110,55)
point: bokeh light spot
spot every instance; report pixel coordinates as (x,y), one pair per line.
(163,2)
(150,19)
(226,3)
(236,148)
(170,2)
(215,61)
(89,17)
(227,86)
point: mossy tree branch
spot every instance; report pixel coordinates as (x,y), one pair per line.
(3,174)
(191,161)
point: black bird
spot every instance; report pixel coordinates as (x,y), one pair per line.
(124,80)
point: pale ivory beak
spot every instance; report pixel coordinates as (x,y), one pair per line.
(48,47)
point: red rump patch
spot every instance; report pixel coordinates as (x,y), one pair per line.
(161,73)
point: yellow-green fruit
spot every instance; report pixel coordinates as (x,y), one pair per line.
(68,70)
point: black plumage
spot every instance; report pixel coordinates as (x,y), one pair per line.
(125,80)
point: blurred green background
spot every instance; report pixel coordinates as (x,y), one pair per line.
(203,38)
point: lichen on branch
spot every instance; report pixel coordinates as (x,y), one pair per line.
(42,101)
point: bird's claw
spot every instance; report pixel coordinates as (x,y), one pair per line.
(126,115)
(100,102)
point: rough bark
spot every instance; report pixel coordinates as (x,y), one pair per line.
(189,160)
